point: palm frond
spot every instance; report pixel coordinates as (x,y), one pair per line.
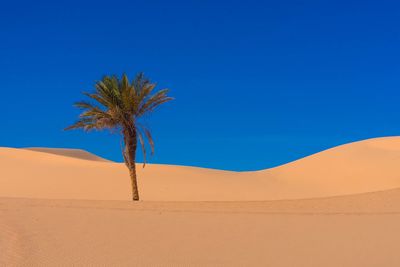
(149,138)
(99,98)
(84,124)
(141,141)
(154,101)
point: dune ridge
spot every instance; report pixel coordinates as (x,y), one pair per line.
(359,167)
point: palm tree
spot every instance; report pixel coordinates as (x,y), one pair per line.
(118,105)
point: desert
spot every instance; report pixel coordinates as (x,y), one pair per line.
(199,133)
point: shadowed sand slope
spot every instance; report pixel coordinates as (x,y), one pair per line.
(67,152)
(365,166)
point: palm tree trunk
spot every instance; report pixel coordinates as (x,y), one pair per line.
(130,140)
(135,191)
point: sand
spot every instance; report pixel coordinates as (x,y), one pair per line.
(340,207)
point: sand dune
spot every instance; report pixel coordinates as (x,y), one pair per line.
(359,167)
(339,207)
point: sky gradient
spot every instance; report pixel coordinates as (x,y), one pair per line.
(256,83)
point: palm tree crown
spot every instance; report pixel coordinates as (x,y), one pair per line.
(120,105)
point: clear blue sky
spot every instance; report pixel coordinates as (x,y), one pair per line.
(257,83)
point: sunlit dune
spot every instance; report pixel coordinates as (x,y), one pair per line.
(359,167)
(339,207)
